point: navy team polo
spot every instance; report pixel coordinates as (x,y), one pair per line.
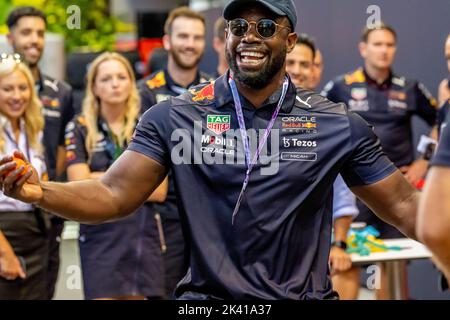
(279,243)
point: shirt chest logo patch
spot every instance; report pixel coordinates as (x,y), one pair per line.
(358,105)
(218,123)
(359,93)
(50,102)
(299,124)
(299,156)
(397,95)
(298,143)
(397,100)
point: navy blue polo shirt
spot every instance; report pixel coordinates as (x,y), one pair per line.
(388,106)
(279,244)
(155,88)
(58,110)
(442,156)
(104,151)
(159,86)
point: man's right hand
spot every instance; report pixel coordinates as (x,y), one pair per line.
(26,187)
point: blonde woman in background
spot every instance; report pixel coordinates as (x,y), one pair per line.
(122,259)
(23,241)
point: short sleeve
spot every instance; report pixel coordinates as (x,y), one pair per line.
(344,201)
(367,163)
(329,91)
(442,157)
(75,139)
(151,135)
(148,98)
(426,105)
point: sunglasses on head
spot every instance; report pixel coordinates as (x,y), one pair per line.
(266,28)
(15,57)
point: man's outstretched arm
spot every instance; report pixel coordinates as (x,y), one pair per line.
(123,188)
(393,200)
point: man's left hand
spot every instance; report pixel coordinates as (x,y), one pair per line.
(339,260)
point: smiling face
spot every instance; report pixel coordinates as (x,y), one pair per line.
(255,61)
(186,42)
(299,65)
(112,83)
(15,95)
(27,38)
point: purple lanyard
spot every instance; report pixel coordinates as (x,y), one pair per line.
(10,138)
(240,116)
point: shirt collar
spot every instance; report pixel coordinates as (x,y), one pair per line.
(172,84)
(39,84)
(386,84)
(224,97)
(6,124)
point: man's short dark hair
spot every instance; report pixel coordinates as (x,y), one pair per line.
(379,26)
(306,40)
(21,12)
(219,28)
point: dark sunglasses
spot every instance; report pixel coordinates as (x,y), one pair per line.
(15,57)
(265,28)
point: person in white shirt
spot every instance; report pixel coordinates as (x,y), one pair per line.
(23,240)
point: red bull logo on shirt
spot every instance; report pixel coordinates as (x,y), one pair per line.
(50,102)
(302,124)
(157,81)
(206,93)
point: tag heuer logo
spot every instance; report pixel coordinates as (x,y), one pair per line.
(218,123)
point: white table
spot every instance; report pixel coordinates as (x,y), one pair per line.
(395,262)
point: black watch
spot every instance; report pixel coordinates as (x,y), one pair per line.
(429,151)
(339,244)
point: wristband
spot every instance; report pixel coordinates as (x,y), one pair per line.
(339,244)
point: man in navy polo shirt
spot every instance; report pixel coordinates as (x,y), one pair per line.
(256,204)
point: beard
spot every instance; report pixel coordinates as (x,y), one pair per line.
(257,79)
(183,65)
(31,65)
(30,62)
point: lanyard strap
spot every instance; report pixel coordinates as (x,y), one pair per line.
(10,138)
(240,115)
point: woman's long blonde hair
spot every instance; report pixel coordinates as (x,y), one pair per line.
(91,103)
(34,120)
